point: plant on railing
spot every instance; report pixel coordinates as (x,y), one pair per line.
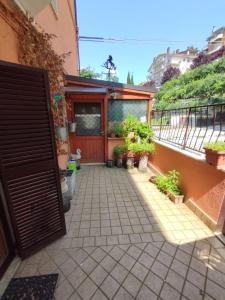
(215,154)
(216,146)
(35,50)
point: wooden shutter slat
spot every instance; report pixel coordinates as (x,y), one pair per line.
(28,158)
(24,99)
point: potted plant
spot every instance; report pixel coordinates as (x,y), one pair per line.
(143,150)
(72,126)
(118,130)
(119,155)
(215,154)
(111,132)
(130,125)
(169,184)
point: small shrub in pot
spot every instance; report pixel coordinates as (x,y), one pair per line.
(118,153)
(143,150)
(215,154)
(169,184)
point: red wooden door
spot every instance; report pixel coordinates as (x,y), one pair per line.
(28,159)
(89,132)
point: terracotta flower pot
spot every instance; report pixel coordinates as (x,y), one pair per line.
(177,199)
(152,179)
(215,158)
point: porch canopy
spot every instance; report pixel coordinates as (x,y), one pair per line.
(95,105)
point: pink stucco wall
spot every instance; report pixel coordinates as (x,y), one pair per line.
(202,183)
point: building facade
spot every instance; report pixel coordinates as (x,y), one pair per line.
(216,40)
(179,59)
(51,16)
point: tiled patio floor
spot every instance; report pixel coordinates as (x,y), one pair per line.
(126,240)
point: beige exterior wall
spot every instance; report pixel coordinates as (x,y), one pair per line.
(62,24)
(8,35)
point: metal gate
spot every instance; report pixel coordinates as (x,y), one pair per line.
(28,159)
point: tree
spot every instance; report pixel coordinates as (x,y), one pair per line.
(200,59)
(89,73)
(170,73)
(149,83)
(128,78)
(204,82)
(192,49)
(132,79)
(203,58)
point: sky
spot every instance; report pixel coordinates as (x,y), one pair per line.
(166,23)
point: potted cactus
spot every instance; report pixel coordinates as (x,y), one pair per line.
(215,154)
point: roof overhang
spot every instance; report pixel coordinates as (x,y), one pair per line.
(83,90)
(113,86)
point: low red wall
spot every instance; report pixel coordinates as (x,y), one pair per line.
(112,142)
(202,183)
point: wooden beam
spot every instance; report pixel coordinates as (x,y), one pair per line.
(149,110)
(105,124)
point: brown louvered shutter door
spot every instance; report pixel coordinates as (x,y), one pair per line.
(28,159)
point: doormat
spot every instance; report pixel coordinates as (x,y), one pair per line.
(31,288)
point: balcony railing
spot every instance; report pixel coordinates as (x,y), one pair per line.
(190,128)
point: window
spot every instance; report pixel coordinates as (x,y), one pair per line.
(88,119)
(119,109)
(54,6)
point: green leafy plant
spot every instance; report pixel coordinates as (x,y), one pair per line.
(118,129)
(217,146)
(117,151)
(142,148)
(144,132)
(169,183)
(130,124)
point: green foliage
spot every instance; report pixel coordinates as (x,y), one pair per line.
(118,129)
(140,129)
(130,124)
(144,131)
(89,73)
(117,151)
(132,79)
(141,148)
(128,78)
(169,183)
(205,81)
(217,146)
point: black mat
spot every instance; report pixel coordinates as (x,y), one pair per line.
(31,288)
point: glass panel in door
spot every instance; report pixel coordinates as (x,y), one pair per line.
(88,119)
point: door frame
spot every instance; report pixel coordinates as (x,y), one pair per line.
(82,98)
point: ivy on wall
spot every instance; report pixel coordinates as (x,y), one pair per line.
(35,50)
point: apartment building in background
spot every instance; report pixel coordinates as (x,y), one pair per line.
(179,59)
(215,41)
